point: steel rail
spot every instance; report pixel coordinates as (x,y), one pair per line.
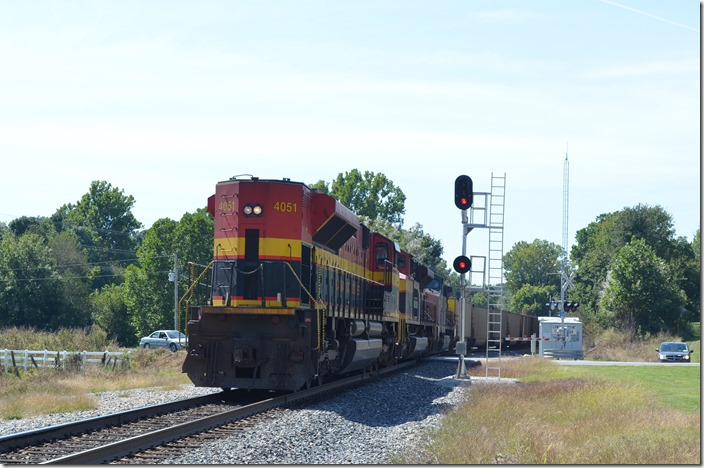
(125,447)
(34,436)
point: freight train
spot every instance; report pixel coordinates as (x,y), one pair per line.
(301,290)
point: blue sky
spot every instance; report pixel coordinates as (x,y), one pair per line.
(163,99)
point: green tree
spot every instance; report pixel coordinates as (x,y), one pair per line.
(110,311)
(71,265)
(320,186)
(145,310)
(600,241)
(532,269)
(426,249)
(193,239)
(30,286)
(51,263)
(684,270)
(369,194)
(480,299)
(106,227)
(36,224)
(149,295)
(530,299)
(638,297)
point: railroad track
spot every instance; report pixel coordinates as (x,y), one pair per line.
(159,430)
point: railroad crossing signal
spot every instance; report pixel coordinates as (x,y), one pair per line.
(562,306)
(463,192)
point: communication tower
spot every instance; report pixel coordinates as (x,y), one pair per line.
(565,278)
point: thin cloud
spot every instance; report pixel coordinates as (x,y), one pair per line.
(645,13)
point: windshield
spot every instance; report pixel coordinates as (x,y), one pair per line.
(674,347)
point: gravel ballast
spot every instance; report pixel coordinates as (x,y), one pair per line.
(367,425)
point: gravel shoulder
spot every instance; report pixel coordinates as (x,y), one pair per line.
(367,425)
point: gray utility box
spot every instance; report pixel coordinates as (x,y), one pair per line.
(560,340)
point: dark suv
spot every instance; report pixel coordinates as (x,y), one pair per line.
(674,351)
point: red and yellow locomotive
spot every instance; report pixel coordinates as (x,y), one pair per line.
(301,290)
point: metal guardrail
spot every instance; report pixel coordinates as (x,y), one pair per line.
(13,359)
(563,353)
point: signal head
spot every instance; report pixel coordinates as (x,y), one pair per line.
(462,264)
(463,192)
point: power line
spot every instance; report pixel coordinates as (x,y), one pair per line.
(70,265)
(93,228)
(54,278)
(83,264)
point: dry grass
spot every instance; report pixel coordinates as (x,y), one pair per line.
(557,420)
(47,391)
(613,345)
(66,339)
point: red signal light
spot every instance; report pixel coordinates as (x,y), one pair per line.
(462,264)
(463,192)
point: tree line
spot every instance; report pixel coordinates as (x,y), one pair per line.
(92,263)
(630,272)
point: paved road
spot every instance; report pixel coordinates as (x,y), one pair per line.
(477,358)
(568,362)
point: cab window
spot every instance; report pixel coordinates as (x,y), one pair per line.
(402,261)
(382,253)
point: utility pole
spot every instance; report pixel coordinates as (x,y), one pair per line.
(173,277)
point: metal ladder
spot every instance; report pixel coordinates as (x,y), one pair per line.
(495,283)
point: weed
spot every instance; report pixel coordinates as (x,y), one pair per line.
(46,390)
(558,417)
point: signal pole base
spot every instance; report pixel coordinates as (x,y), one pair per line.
(461,369)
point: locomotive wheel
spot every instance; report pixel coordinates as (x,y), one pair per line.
(319,380)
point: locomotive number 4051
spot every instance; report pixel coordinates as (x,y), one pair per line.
(285,207)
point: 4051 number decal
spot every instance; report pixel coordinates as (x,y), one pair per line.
(286,207)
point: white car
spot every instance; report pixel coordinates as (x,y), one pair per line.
(172,339)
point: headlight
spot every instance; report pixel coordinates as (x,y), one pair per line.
(686,356)
(252,210)
(662,356)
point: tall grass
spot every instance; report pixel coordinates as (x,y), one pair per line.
(613,345)
(556,417)
(47,391)
(91,338)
